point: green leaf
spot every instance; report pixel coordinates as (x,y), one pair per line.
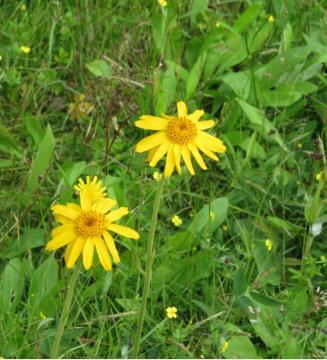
(292,349)
(42,160)
(248,17)
(100,68)
(34,128)
(195,75)
(263,299)
(167,91)
(8,143)
(239,82)
(240,283)
(261,123)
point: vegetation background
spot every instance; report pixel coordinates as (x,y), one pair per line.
(247,267)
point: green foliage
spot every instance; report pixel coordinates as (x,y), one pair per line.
(263,80)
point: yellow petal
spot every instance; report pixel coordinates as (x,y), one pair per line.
(187,159)
(66,211)
(151,123)
(88,251)
(104,205)
(86,199)
(111,246)
(117,214)
(151,153)
(161,152)
(211,142)
(62,228)
(69,250)
(103,254)
(151,141)
(207,124)
(170,163)
(195,152)
(206,151)
(196,115)
(181,109)
(123,230)
(177,156)
(75,252)
(61,240)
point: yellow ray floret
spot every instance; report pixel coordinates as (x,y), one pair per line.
(179,138)
(86,227)
(93,188)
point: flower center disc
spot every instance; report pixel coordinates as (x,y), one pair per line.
(181,131)
(90,224)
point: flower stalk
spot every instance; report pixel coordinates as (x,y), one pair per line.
(148,267)
(65,311)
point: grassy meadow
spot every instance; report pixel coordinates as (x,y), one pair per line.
(239,249)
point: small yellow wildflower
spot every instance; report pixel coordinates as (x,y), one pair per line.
(23,7)
(224,346)
(269,244)
(318,176)
(156,176)
(42,316)
(212,216)
(162,3)
(299,145)
(171,312)
(177,221)
(225,228)
(25,49)
(79,108)
(271,19)
(218,24)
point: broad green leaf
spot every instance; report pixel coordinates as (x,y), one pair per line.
(42,160)
(253,148)
(248,17)
(292,349)
(239,82)
(198,6)
(167,90)
(11,285)
(257,39)
(8,143)
(34,128)
(261,123)
(100,68)
(263,299)
(195,74)
(240,283)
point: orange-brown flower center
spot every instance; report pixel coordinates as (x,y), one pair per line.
(90,224)
(181,131)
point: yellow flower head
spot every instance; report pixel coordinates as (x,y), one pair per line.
(162,3)
(318,176)
(177,221)
(212,216)
(224,346)
(25,49)
(23,7)
(269,244)
(171,312)
(271,19)
(156,176)
(218,24)
(179,137)
(86,226)
(94,189)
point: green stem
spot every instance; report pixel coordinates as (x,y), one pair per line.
(148,268)
(65,311)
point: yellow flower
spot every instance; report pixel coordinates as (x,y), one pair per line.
(156,176)
(23,7)
(318,176)
(299,145)
(94,188)
(269,244)
(179,137)
(177,221)
(218,24)
(212,216)
(86,226)
(42,316)
(225,228)
(224,346)
(271,19)
(162,3)
(25,49)
(171,312)
(79,108)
